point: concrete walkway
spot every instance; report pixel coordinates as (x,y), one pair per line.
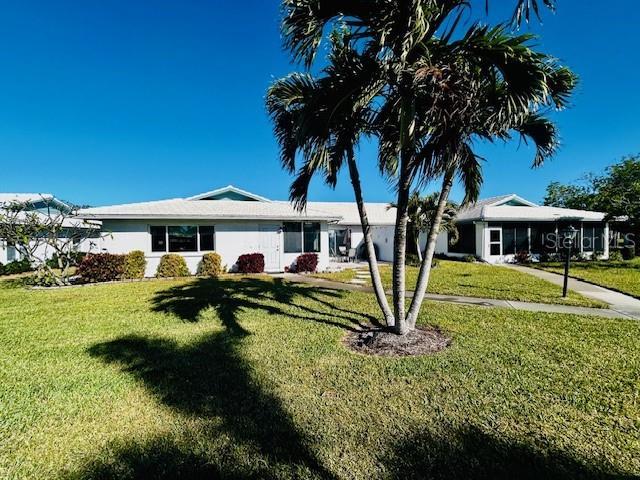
(619,302)
(460,300)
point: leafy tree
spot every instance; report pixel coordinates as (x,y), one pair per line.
(48,233)
(579,197)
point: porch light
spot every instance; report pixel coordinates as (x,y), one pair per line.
(568,237)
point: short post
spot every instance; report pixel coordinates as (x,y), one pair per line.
(568,236)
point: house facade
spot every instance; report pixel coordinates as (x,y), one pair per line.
(233,222)
(496,229)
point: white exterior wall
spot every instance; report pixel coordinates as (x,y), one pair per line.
(383,238)
(232,239)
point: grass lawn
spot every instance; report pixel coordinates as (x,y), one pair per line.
(621,276)
(240,378)
(481,280)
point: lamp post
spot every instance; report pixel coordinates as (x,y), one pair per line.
(568,236)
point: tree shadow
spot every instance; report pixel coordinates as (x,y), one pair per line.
(230,297)
(209,379)
(471,454)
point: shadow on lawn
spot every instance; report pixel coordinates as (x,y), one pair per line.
(230,297)
(238,428)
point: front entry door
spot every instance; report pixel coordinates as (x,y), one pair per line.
(270,247)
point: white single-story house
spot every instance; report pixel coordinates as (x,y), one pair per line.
(233,222)
(496,229)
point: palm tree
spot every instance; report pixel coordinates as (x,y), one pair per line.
(324,119)
(424,131)
(422,211)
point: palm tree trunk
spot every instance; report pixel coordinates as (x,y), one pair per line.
(418,249)
(400,248)
(376,281)
(425,267)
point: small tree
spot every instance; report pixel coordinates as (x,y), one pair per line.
(51,232)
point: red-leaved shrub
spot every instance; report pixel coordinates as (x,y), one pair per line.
(251,263)
(307,262)
(101,267)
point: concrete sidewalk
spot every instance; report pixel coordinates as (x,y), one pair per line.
(460,300)
(619,302)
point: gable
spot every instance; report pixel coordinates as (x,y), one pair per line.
(513,201)
(230,193)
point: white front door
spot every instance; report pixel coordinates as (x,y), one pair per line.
(270,247)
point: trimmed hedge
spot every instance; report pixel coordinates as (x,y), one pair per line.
(307,263)
(210,265)
(101,267)
(134,265)
(251,263)
(172,265)
(615,256)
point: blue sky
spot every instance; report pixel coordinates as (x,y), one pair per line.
(119,101)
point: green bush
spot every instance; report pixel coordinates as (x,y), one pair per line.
(134,265)
(172,265)
(615,256)
(17,266)
(1,269)
(629,252)
(211,265)
(469,259)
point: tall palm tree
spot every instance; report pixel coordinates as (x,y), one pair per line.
(408,37)
(324,119)
(422,212)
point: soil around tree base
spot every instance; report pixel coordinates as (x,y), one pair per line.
(424,340)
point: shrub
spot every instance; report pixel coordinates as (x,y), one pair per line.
(101,267)
(629,252)
(211,265)
(17,266)
(172,265)
(615,256)
(134,265)
(251,263)
(469,259)
(1,269)
(549,257)
(307,263)
(522,257)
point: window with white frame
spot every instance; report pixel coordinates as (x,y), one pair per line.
(301,237)
(182,238)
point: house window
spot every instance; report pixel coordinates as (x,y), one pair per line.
(158,239)
(466,239)
(207,238)
(495,242)
(301,237)
(292,237)
(311,237)
(183,239)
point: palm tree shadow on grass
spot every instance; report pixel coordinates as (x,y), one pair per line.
(209,379)
(248,432)
(230,297)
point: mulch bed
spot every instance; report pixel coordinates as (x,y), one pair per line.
(425,340)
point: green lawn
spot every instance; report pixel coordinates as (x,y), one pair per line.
(240,378)
(481,280)
(621,276)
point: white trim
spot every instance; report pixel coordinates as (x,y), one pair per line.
(228,189)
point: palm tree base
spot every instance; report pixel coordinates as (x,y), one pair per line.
(423,340)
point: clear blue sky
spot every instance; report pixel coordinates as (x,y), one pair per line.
(118,101)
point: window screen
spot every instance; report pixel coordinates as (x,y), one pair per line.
(183,239)
(158,239)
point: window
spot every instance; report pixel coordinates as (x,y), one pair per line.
(207,239)
(292,237)
(495,242)
(543,237)
(183,239)
(311,237)
(301,237)
(158,239)
(466,239)
(593,240)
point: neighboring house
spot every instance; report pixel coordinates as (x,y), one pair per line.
(496,229)
(44,204)
(233,222)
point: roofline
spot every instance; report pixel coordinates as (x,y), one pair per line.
(229,188)
(508,198)
(113,216)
